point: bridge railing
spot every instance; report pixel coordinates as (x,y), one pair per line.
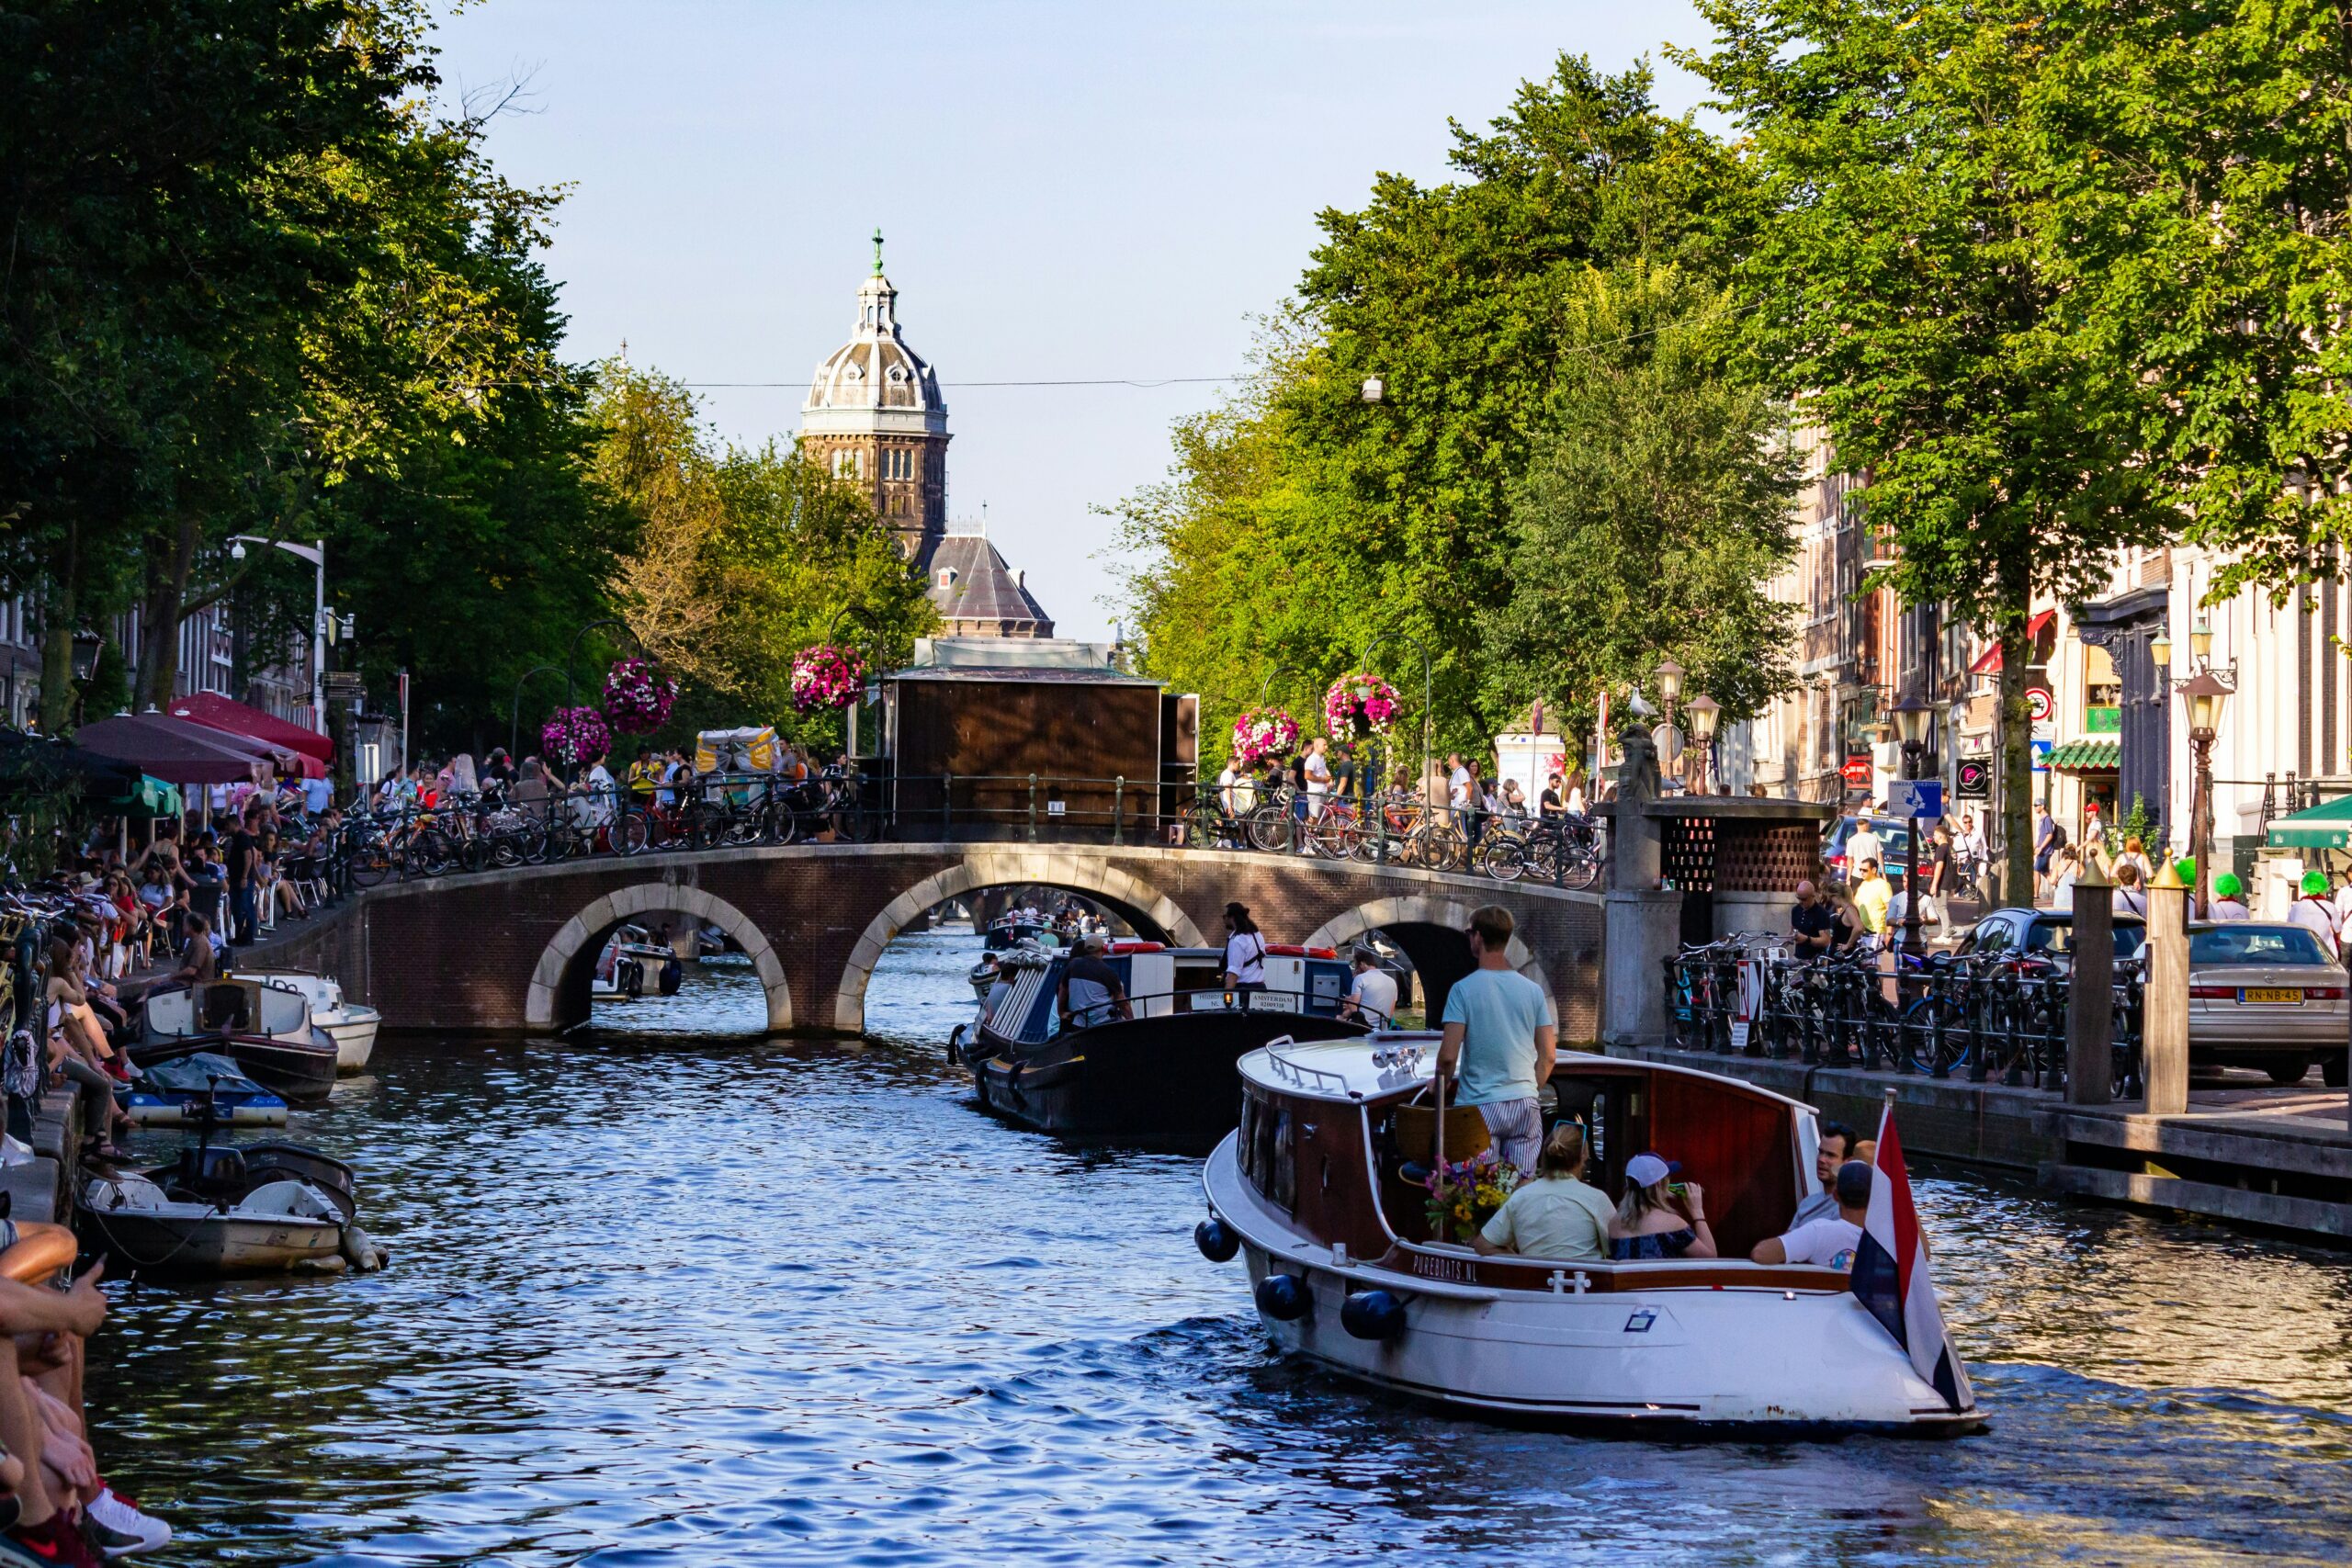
(716,811)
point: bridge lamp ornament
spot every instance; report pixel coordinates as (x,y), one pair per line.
(1373,389)
(1704,712)
(2204,695)
(1914,720)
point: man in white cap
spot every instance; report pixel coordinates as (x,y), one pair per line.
(1500,1034)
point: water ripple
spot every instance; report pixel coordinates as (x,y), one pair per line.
(672,1299)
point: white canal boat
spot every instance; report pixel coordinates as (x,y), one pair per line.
(349,1024)
(1313,1192)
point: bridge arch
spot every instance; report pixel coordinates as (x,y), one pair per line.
(558,997)
(1435,934)
(1140,904)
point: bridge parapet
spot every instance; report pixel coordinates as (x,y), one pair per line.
(511,952)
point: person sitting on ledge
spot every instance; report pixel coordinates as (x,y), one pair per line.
(1830,1240)
(1656,1222)
(1554,1213)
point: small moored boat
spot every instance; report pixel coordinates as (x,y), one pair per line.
(1168,1071)
(629,961)
(199,1089)
(1315,1192)
(265,1208)
(351,1026)
(265,1030)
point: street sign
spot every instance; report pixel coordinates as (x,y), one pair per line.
(1859,771)
(1915,798)
(1975,780)
(346,684)
(2039,704)
(2041,755)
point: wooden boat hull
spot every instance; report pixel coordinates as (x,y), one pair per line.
(1703,1358)
(1171,1077)
(301,1072)
(180,1247)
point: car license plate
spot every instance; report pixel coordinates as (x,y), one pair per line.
(2271,994)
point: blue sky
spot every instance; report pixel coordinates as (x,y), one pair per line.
(1068,192)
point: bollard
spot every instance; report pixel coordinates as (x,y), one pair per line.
(2164,1008)
(2090,1009)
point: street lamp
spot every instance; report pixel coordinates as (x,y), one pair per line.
(2160,649)
(2204,695)
(1704,712)
(1373,389)
(1913,720)
(316,554)
(1670,687)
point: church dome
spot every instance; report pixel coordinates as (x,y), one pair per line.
(874,382)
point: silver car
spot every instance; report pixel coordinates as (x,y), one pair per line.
(2266,995)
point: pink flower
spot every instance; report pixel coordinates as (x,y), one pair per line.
(824,676)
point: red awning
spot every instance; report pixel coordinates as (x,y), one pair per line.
(175,751)
(218,712)
(1989,662)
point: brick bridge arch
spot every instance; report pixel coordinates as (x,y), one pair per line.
(488,951)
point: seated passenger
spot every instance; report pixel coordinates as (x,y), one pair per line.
(1554,1213)
(1655,1222)
(1836,1145)
(1372,996)
(1831,1240)
(1090,992)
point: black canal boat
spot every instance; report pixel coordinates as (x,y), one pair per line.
(1167,1072)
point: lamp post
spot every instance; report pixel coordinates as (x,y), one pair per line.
(1705,712)
(1670,690)
(515,712)
(1912,721)
(2204,694)
(316,554)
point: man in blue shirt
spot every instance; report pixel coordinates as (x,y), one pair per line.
(1499,1035)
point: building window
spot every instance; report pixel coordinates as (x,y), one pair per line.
(846,464)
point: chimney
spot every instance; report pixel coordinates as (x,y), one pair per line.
(1020,577)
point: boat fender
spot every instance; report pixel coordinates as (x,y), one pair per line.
(1284,1297)
(1372,1315)
(1216,1239)
(360,1252)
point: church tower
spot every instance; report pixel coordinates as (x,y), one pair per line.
(874,419)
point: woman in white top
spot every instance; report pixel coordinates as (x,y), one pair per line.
(1245,951)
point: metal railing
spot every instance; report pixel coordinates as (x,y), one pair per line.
(491,832)
(1981,1018)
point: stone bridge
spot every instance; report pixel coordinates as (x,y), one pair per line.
(513,951)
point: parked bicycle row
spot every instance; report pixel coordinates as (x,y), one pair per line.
(1980,1017)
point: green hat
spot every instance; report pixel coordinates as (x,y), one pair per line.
(2315,882)
(2187,866)
(2227,885)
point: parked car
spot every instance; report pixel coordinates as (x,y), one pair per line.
(2266,995)
(2048,933)
(1894,836)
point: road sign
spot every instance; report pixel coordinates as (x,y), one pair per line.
(1915,798)
(2039,704)
(2041,755)
(1975,781)
(1859,771)
(346,684)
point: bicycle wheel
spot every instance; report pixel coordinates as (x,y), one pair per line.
(631,833)
(370,863)
(1441,847)
(1579,865)
(1338,832)
(1506,859)
(1270,828)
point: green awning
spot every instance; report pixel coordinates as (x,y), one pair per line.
(2089,756)
(2327,827)
(153,797)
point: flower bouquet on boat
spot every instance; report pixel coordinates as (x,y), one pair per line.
(1366,1211)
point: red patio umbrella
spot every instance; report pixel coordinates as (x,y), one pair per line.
(212,709)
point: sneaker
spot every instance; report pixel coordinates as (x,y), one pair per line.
(121,1518)
(54,1543)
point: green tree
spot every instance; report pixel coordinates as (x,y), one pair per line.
(1654,511)
(1899,281)
(743,558)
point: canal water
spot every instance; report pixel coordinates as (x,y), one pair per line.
(672,1297)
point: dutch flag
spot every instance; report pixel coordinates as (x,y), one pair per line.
(1891,1275)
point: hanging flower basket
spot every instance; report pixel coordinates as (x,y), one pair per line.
(826,677)
(575,736)
(638,698)
(1261,733)
(1359,704)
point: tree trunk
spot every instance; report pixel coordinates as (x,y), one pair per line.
(57,620)
(2013,624)
(160,658)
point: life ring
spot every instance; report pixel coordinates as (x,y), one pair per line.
(39,1251)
